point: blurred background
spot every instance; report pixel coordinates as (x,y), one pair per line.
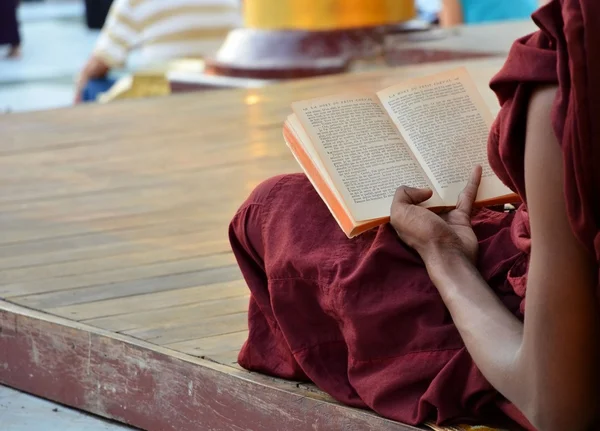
(61,48)
(55,43)
(67,51)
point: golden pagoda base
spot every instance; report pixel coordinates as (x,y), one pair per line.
(292,54)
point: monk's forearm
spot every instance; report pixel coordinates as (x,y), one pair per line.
(491,333)
(526,364)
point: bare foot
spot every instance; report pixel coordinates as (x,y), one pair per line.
(14,51)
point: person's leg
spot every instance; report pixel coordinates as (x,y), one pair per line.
(266,349)
(335,309)
(359,317)
(282,237)
(95,87)
(9,27)
(14,51)
(342,312)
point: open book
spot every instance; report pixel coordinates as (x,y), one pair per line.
(357,149)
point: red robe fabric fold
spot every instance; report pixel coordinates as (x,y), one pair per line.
(361,318)
(565,52)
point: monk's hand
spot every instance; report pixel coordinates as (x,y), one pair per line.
(429,233)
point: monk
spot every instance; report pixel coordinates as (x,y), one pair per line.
(471,316)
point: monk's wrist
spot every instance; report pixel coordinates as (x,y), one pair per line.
(442,259)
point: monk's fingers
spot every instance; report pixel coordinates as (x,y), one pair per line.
(411,196)
(467,197)
(405,215)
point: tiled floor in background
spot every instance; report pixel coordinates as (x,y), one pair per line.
(56,43)
(21,412)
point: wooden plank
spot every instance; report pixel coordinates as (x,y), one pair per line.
(154,388)
(101,292)
(109,128)
(222,211)
(226,358)
(214,345)
(151,301)
(204,327)
(124,148)
(143,272)
(137,259)
(153,234)
(61,224)
(125,144)
(65,186)
(147,198)
(152,182)
(185,315)
(130,121)
(123,204)
(84,251)
(39,227)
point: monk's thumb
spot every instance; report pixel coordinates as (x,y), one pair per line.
(412,196)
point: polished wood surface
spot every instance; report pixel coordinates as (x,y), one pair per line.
(114,219)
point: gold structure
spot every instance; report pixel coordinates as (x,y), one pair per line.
(325,14)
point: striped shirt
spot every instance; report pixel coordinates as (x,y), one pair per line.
(165,29)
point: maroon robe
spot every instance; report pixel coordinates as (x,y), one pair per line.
(360,318)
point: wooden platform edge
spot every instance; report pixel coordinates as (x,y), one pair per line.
(153,388)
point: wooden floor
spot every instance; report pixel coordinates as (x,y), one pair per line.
(120,293)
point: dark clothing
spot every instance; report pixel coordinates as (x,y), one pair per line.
(9,26)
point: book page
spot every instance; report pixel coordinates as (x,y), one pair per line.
(363,153)
(319,172)
(446,123)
